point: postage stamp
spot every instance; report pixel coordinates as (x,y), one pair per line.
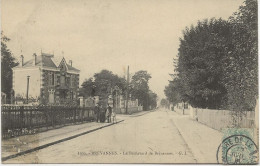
(238,147)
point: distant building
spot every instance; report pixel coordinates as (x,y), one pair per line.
(48,83)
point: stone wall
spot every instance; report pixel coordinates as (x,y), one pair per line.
(131,110)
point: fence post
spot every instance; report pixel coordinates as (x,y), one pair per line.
(2,118)
(84,114)
(21,117)
(88,113)
(80,113)
(46,115)
(52,116)
(74,115)
(30,118)
(9,120)
(64,116)
(2,126)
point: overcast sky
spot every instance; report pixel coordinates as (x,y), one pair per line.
(108,34)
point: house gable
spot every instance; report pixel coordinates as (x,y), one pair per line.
(63,65)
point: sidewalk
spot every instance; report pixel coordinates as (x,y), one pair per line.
(202,140)
(24,143)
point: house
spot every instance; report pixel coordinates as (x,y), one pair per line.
(41,81)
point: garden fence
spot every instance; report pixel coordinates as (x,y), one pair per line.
(22,120)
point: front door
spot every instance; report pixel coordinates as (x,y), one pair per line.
(51,96)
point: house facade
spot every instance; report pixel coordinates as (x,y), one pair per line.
(41,81)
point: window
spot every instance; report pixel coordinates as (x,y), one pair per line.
(71,81)
(58,80)
(62,80)
(51,79)
(68,81)
(71,95)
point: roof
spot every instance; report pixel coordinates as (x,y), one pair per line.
(57,60)
(42,60)
(69,67)
(47,60)
(72,68)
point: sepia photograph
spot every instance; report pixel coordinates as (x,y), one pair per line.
(129,82)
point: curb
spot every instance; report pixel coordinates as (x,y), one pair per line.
(196,152)
(141,114)
(185,141)
(55,142)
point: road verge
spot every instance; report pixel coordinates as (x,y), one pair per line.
(56,142)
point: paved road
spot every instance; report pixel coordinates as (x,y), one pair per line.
(150,138)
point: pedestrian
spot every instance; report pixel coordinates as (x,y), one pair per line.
(102,114)
(113,116)
(97,112)
(109,113)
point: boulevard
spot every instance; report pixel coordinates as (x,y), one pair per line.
(154,137)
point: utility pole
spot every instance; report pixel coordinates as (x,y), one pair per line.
(127,89)
(27,91)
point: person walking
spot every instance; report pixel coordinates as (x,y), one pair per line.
(97,112)
(109,110)
(113,116)
(102,114)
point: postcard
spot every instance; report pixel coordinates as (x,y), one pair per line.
(139,82)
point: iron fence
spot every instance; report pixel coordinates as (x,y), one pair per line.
(22,120)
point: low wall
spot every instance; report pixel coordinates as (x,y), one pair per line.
(219,119)
(130,110)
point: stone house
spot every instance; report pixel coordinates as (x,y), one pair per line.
(45,81)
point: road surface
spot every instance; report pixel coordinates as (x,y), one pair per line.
(150,138)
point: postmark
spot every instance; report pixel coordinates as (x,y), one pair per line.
(237,149)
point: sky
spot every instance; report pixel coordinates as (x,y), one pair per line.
(108,34)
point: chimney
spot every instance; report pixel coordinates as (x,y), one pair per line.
(34,59)
(70,63)
(21,60)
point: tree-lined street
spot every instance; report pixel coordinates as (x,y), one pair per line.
(179,77)
(158,136)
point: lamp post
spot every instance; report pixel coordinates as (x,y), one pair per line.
(93,93)
(27,91)
(116,89)
(127,89)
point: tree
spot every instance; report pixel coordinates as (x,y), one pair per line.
(164,103)
(102,84)
(217,63)
(201,54)
(152,100)
(241,64)
(88,88)
(7,63)
(106,80)
(173,92)
(140,88)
